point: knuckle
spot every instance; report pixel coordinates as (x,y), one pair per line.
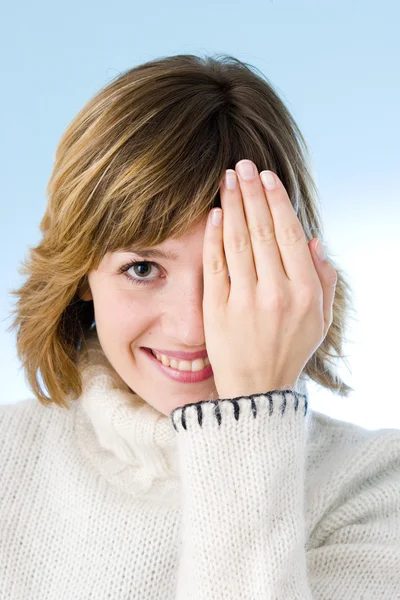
(251,190)
(216,265)
(332,278)
(290,235)
(238,243)
(276,300)
(242,303)
(262,232)
(246,303)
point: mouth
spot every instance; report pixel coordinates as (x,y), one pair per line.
(179,355)
(176,374)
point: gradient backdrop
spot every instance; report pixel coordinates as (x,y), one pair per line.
(335,65)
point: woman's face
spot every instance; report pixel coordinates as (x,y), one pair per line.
(165,312)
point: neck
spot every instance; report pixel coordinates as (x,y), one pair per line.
(128,440)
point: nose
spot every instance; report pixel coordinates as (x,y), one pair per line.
(183,321)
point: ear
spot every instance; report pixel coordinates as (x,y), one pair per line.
(84,291)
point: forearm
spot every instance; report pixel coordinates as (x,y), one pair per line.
(242,474)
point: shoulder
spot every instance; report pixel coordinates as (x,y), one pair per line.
(29,426)
(351,470)
(341,439)
(30,411)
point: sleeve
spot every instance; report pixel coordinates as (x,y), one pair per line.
(242,464)
(242,476)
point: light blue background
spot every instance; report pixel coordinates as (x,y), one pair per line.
(335,65)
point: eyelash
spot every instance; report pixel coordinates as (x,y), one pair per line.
(123,270)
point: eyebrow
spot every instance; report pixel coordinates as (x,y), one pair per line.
(153,253)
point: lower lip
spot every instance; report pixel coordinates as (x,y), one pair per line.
(181,376)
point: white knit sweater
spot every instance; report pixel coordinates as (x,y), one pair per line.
(255,498)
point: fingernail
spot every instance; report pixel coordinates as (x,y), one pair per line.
(320,251)
(268,180)
(216,217)
(230,180)
(246,169)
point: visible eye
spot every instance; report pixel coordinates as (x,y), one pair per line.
(125,268)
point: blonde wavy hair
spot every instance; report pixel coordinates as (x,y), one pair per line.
(140,163)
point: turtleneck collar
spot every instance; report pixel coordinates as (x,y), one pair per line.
(131,443)
(128,441)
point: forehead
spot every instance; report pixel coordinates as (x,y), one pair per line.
(173,248)
(154,253)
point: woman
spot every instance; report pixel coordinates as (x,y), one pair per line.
(210,477)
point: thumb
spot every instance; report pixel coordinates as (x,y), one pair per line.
(328,278)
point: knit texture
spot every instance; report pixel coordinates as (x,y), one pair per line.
(249,498)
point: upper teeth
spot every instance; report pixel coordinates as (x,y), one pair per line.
(182,365)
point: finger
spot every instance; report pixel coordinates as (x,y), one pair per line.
(236,237)
(215,271)
(328,278)
(266,254)
(289,233)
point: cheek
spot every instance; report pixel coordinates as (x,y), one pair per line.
(121,314)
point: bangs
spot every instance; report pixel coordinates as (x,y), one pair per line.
(165,178)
